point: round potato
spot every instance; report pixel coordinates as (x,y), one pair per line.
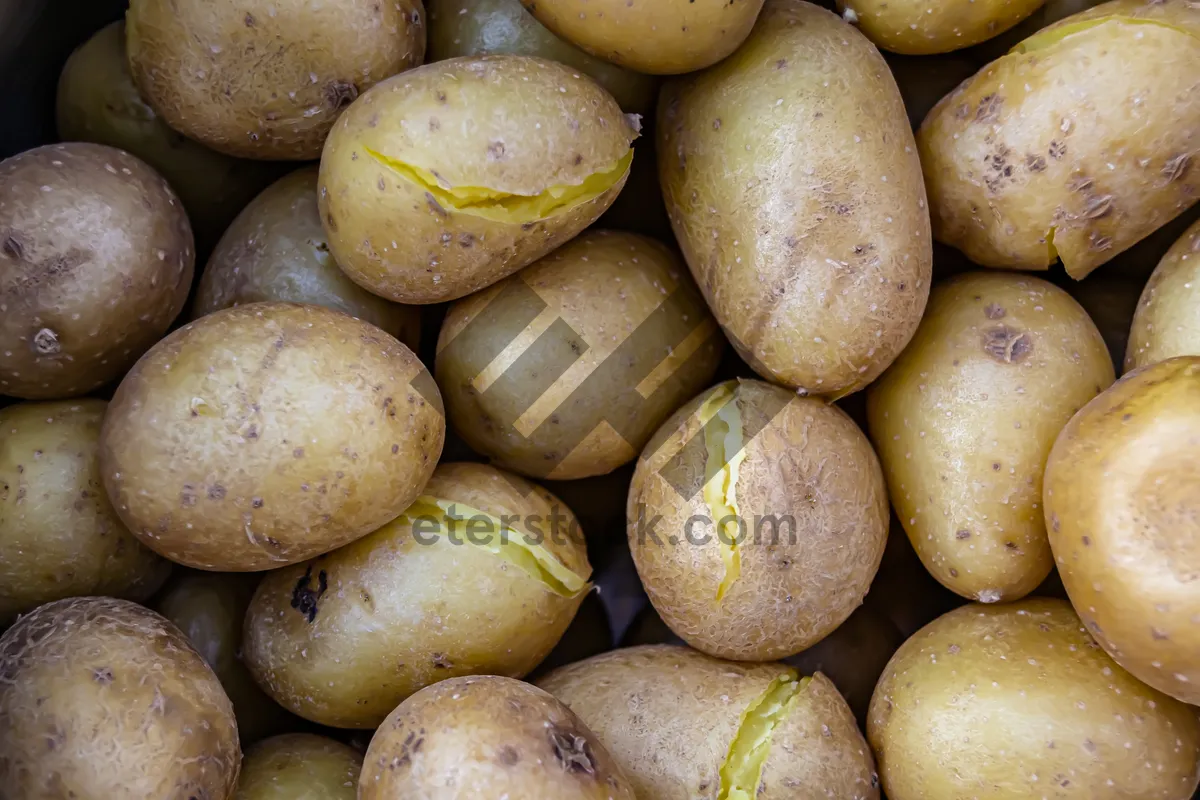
(299,766)
(683,725)
(927,27)
(266,78)
(1110,301)
(757,520)
(102,699)
(1038,157)
(446,179)
(266,434)
(811,243)
(482,575)
(1015,702)
(1167,321)
(96,260)
(580,395)
(964,420)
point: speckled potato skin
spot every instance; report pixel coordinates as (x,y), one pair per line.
(812,244)
(276,249)
(59,535)
(929,27)
(618,296)
(1017,701)
(101,699)
(299,766)
(668,714)
(515,124)
(96,260)
(965,418)
(266,434)
(266,78)
(480,738)
(1121,507)
(1167,321)
(1068,150)
(809,463)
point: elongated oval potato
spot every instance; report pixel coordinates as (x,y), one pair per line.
(928,27)
(811,244)
(683,726)
(965,418)
(299,766)
(1067,147)
(1016,701)
(266,434)
(444,180)
(1122,500)
(1167,321)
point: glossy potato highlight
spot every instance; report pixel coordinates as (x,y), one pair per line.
(1167,321)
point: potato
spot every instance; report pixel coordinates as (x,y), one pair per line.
(266,78)
(1015,702)
(927,27)
(487,737)
(444,180)
(482,575)
(1121,509)
(924,80)
(102,699)
(1067,148)
(277,250)
(802,508)
(299,766)
(579,395)
(1050,12)
(1110,301)
(59,535)
(96,260)
(1167,321)
(964,420)
(792,183)
(684,726)
(266,434)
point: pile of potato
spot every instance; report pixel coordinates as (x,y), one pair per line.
(599,400)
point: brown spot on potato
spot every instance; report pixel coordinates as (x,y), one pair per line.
(572,751)
(249,20)
(442,661)
(1098,207)
(216,492)
(45,343)
(495,151)
(1177,167)
(102,676)
(298,452)
(989,108)
(963,534)
(1007,345)
(1035,163)
(508,756)
(12,248)
(435,206)
(1057,150)
(305,598)
(994,311)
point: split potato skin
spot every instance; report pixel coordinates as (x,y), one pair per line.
(811,246)
(102,699)
(929,27)
(965,418)
(1017,701)
(1166,323)
(1061,150)
(299,766)
(266,78)
(96,260)
(266,434)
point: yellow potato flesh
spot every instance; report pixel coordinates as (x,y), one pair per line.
(723,435)
(1052,36)
(742,770)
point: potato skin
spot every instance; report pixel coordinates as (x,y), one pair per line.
(812,245)
(96,260)
(299,766)
(101,699)
(928,27)
(266,78)
(1062,149)
(266,434)
(964,420)
(1166,324)
(1016,701)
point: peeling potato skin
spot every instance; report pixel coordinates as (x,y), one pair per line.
(96,260)
(1017,701)
(1046,15)
(812,246)
(929,27)
(267,434)
(479,738)
(299,766)
(101,699)
(965,418)
(1166,324)
(266,78)
(1121,507)
(808,461)
(1072,138)
(668,715)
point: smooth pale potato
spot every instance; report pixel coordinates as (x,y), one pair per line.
(1110,300)
(299,766)
(480,738)
(965,418)
(266,434)
(1015,702)
(482,575)
(277,250)
(928,27)
(446,179)
(684,726)
(96,260)
(1123,510)
(802,507)
(1067,148)
(811,245)
(102,699)
(925,80)
(1167,321)
(59,535)
(266,78)
(579,396)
